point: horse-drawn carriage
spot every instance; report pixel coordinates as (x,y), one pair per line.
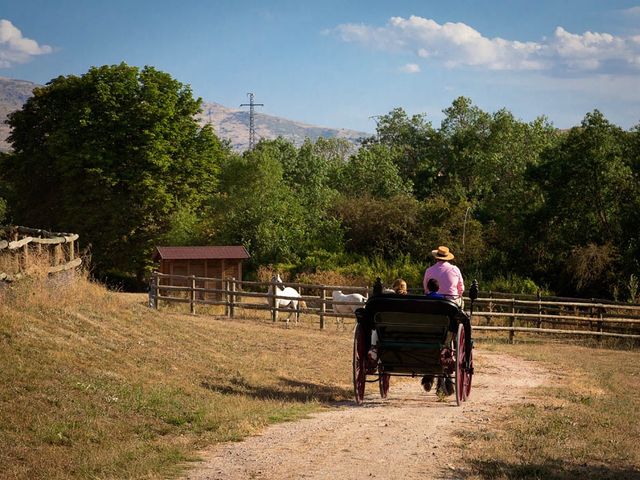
(416,336)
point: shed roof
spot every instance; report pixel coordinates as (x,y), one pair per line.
(201,253)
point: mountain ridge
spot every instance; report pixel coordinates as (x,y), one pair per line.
(229,123)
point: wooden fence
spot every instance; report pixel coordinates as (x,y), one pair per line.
(20,245)
(492,312)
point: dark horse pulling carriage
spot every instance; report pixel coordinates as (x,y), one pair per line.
(412,340)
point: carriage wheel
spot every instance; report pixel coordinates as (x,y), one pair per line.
(468,375)
(460,370)
(383,380)
(359,363)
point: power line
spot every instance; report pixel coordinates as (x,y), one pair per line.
(252,127)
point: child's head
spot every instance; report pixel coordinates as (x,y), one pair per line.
(399,286)
(433,285)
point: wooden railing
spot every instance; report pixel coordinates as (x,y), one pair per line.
(235,293)
(19,246)
(580,317)
(539,315)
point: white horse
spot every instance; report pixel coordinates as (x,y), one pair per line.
(346,304)
(285,297)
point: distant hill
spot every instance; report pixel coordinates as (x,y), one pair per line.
(229,123)
(233,124)
(13,94)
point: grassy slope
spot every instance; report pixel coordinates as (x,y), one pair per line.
(96,385)
(585,424)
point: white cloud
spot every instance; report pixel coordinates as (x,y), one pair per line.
(14,48)
(632,12)
(410,68)
(457,44)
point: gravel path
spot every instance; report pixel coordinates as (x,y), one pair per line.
(407,436)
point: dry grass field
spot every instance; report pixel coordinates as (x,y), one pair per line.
(584,424)
(94,384)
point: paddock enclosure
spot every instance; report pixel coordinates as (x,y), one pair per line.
(499,312)
(21,248)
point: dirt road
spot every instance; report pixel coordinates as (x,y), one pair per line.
(407,436)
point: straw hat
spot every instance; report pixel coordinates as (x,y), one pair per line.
(442,253)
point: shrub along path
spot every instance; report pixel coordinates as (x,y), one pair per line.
(411,435)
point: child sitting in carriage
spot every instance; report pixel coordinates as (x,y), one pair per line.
(432,289)
(445,385)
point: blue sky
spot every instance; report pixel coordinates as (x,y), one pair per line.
(338,63)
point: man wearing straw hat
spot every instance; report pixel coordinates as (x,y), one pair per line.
(451,287)
(447,275)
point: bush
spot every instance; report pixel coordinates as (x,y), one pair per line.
(362,271)
(387,270)
(514,284)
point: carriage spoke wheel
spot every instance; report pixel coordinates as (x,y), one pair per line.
(460,370)
(359,364)
(468,375)
(383,380)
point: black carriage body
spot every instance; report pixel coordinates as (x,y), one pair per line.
(412,332)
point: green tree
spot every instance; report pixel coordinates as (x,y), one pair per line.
(630,217)
(486,158)
(374,172)
(506,207)
(415,146)
(465,133)
(111,155)
(587,182)
(256,208)
(377,227)
(308,175)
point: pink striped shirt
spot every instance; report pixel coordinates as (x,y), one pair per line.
(448,276)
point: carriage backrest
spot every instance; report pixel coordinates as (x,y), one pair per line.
(422,327)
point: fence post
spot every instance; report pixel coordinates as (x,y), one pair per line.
(600,317)
(232,297)
(272,302)
(25,261)
(490,305)
(57,254)
(539,310)
(323,307)
(153,291)
(225,297)
(512,319)
(192,298)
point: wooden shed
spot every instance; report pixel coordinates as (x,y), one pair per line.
(216,262)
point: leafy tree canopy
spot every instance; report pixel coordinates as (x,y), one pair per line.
(111,155)
(255,206)
(415,144)
(373,171)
